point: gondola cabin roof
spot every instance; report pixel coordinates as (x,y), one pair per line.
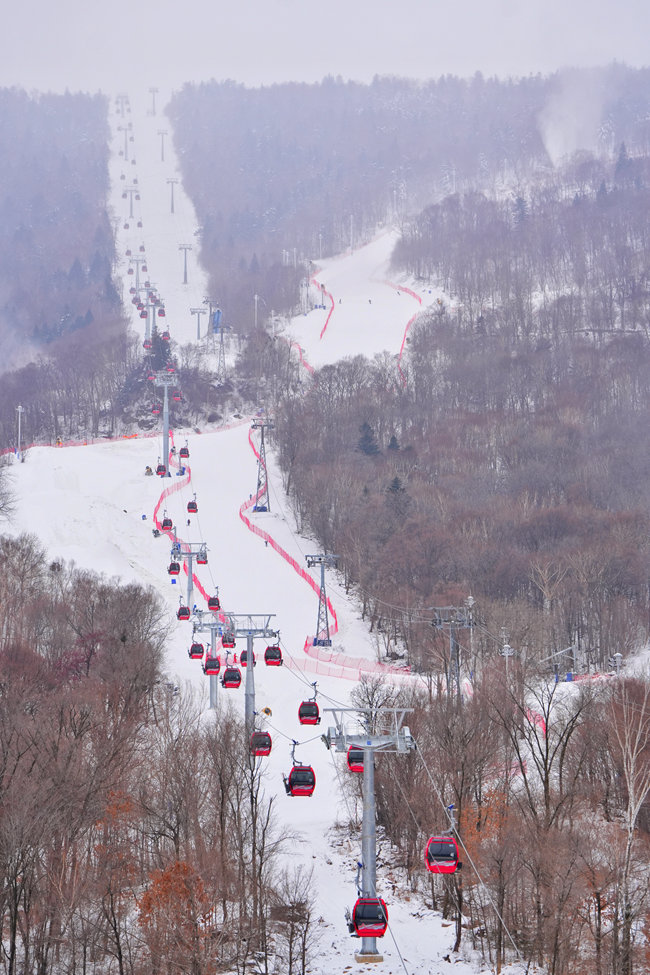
(370,917)
(355,758)
(441,854)
(196,651)
(212,665)
(301,781)
(309,713)
(231,677)
(273,656)
(260,743)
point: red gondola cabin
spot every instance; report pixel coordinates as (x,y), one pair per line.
(260,743)
(196,651)
(228,640)
(355,758)
(231,677)
(174,568)
(370,917)
(212,665)
(192,507)
(243,659)
(214,604)
(184,452)
(441,854)
(161,470)
(301,781)
(183,613)
(167,523)
(309,713)
(273,657)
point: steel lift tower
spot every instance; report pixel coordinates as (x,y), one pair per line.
(251,626)
(322,623)
(187,552)
(453,618)
(165,379)
(262,499)
(389,734)
(215,628)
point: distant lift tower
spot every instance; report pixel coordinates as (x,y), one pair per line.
(165,379)
(262,499)
(386,732)
(453,618)
(215,628)
(187,552)
(322,638)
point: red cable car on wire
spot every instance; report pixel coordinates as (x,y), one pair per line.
(369,918)
(166,522)
(355,758)
(441,855)
(308,711)
(174,568)
(213,604)
(184,452)
(301,780)
(183,612)
(192,507)
(273,656)
(161,470)
(196,651)
(231,677)
(228,639)
(212,665)
(243,659)
(202,556)
(260,743)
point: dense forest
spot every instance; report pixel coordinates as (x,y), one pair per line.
(292,172)
(506,460)
(56,239)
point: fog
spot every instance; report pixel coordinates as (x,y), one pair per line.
(81,46)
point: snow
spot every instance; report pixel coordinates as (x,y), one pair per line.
(92,504)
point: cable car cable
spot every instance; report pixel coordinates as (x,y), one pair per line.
(467,854)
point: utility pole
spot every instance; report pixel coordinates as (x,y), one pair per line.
(389,735)
(172,181)
(19,410)
(198,312)
(185,248)
(153,92)
(322,623)
(453,618)
(162,133)
(262,499)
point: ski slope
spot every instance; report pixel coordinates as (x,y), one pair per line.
(92,504)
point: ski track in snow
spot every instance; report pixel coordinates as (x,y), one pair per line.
(94,506)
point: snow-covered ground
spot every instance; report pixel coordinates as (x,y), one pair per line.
(93,504)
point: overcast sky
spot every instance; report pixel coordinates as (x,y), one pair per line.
(87,45)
